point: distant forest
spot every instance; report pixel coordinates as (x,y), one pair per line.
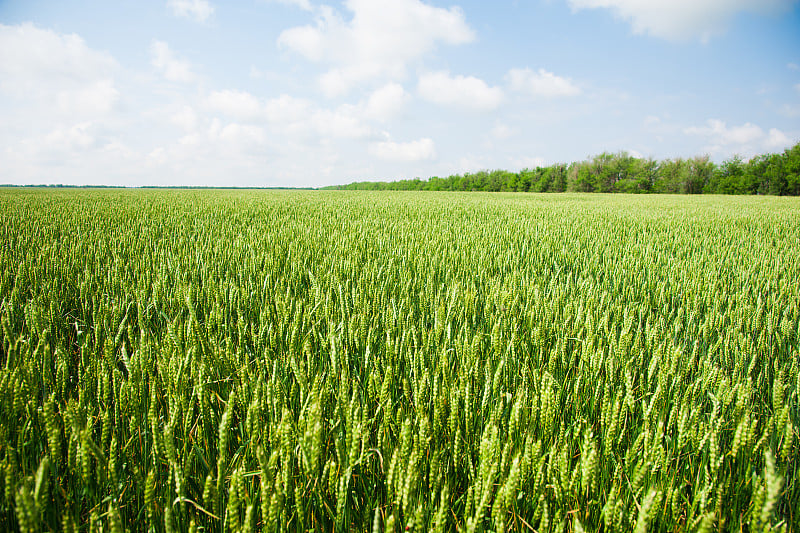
(777,174)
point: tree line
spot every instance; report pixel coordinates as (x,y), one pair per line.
(776,174)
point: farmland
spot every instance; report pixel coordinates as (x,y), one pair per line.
(284,361)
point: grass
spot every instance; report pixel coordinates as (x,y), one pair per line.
(285,361)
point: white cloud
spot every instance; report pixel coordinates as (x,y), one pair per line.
(291,116)
(747,139)
(461,91)
(59,106)
(244,136)
(239,105)
(502,131)
(313,42)
(528,162)
(471,163)
(301,120)
(84,152)
(652,120)
(270,75)
(96,97)
(681,19)
(722,134)
(77,137)
(168,64)
(198,10)
(30,56)
(344,122)
(540,83)
(386,102)
(59,72)
(790,110)
(422,149)
(185,118)
(213,152)
(379,42)
(776,140)
(302,4)
(286,108)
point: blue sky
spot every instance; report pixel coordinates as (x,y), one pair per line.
(306,93)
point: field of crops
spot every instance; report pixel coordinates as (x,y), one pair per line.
(286,361)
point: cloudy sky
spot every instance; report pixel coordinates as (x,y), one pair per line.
(310,93)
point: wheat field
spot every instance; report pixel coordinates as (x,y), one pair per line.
(183,360)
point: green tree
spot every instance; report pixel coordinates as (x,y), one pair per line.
(728,178)
(699,174)
(791,169)
(579,178)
